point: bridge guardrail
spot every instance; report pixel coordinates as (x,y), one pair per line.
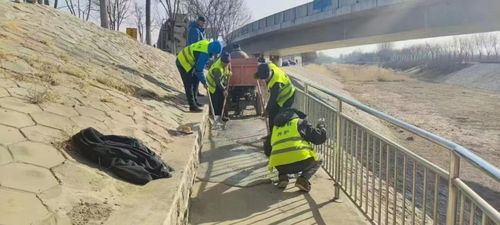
(390,183)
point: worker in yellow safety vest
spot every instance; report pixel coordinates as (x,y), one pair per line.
(292,150)
(190,62)
(280,87)
(217,78)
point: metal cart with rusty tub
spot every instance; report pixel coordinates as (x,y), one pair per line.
(251,91)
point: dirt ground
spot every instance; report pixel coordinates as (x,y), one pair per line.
(469,117)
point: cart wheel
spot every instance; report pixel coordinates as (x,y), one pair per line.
(257,105)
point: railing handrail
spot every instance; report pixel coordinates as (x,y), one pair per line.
(471,157)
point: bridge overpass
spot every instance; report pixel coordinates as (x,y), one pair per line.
(358,22)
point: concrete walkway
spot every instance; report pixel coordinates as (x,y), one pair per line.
(233,185)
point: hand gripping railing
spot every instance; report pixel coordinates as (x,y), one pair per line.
(390,183)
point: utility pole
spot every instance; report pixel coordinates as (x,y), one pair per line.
(148,22)
(104,14)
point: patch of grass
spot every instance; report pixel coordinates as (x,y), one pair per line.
(381,79)
(116,84)
(20,77)
(46,42)
(73,71)
(146,93)
(10,25)
(38,97)
(107,100)
(47,78)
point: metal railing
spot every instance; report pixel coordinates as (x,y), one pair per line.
(390,183)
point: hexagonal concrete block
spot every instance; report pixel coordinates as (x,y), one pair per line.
(15,119)
(118,95)
(19,92)
(53,120)
(4,156)
(59,109)
(91,112)
(4,92)
(26,177)
(6,83)
(17,207)
(19,105)
(9,135)
(121,118)
(84,122)
(42,134)
(96,103)
(36,153)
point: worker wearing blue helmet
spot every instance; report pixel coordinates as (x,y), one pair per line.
(190,62)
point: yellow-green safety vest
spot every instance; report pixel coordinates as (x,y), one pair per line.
(186,56)
(287,146)
(210,77)
(280,77)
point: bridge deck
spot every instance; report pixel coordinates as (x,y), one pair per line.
(233,185)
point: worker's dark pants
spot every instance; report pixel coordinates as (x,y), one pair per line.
(218,100)
(196,85)
(306,168)
(187,80)
(273,113)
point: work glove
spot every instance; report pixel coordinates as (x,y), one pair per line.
(321,123)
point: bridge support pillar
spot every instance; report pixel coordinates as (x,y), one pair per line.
(276,59)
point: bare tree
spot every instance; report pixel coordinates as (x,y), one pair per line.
(103,13)
(118,11)
(223,16)
(495,44)
(139,20)
(172,9)
(80,8)
(56,2)
(490,43)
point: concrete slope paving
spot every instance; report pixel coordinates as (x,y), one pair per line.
(59,75)
(233,186)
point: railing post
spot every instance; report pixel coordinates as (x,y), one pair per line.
(306,99)
(452,189)
(338,142)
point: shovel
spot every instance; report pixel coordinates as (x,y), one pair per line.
(217,123)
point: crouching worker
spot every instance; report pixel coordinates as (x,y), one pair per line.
(218,76)
(292,151)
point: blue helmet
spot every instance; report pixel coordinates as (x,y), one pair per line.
(215,47)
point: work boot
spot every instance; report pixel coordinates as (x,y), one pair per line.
(194,108)
(199,104)
(303,184)
(282,181)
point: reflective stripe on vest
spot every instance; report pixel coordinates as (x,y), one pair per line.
(210,77)
(279,76)
(186,56)
(287,146)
